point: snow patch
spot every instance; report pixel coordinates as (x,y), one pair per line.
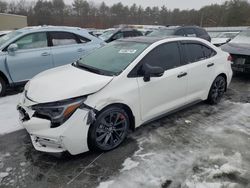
(9,115)
(129,164)
(106,184)
(3,175)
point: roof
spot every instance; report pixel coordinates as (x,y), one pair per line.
(49,27)
(126,29)
(146,39)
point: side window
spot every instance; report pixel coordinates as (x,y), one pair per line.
(128,34)
(194,52)
(63,38)
(118,36)
(138,33)
(166,56)
(31,41)
(83,39)
(189,32)
(208,52)
(180,32)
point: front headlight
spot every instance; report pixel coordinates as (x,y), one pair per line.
(58,112)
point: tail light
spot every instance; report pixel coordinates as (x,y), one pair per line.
(230,58)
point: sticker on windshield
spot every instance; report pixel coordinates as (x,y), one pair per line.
(127,51)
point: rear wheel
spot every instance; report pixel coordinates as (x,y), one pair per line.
(2,87)
(217,90)
(109,130)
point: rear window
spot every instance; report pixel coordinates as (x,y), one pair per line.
(200,32)
(162,32)
(189,32)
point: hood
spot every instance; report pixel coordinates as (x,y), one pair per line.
(63,83)
(237,48)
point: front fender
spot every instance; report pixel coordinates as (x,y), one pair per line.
(135,109)
(4,69)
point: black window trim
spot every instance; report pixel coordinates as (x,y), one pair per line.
(134,72)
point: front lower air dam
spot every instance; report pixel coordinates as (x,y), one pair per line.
(71,136)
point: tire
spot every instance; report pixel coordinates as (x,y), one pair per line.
(109,130)
(217,90)
(2,87)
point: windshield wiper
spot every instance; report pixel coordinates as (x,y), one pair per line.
(90,69)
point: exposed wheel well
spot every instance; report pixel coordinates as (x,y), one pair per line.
(4,78)
(225,76)
(127,109)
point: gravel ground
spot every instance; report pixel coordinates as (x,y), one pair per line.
(201,146)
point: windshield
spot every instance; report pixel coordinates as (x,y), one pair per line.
(161,32)
(113,58)
(242,37)
(107,34)
(8,36)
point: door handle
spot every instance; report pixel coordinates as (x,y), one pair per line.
(45,54)
(182,74)
(210,65)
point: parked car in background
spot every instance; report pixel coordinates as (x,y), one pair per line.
(112,35)
(2,33)
(118,87)
(187,31)
(239,48)
(223,38)
(95,32)
(31,50)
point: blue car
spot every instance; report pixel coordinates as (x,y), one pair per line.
(31,50)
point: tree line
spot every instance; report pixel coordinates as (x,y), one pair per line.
(87,14)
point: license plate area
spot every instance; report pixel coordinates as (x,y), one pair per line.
(240,61)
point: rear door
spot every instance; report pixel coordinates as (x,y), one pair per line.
(165,93)
(32,57)
(200,69)
(67,47)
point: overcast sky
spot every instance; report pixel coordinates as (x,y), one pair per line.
(181,4)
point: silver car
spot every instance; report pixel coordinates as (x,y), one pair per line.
(31,50)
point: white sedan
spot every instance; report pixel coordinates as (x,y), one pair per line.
(92,103)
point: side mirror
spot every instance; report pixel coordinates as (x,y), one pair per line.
(12,48)
(151,71)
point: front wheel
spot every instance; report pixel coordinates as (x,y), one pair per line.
(2,87)
(217,90)
(109,130)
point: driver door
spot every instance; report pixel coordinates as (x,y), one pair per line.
(168,92)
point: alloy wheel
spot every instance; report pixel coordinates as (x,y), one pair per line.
(111,130)
(218,89)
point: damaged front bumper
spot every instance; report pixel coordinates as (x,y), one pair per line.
(71,136)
